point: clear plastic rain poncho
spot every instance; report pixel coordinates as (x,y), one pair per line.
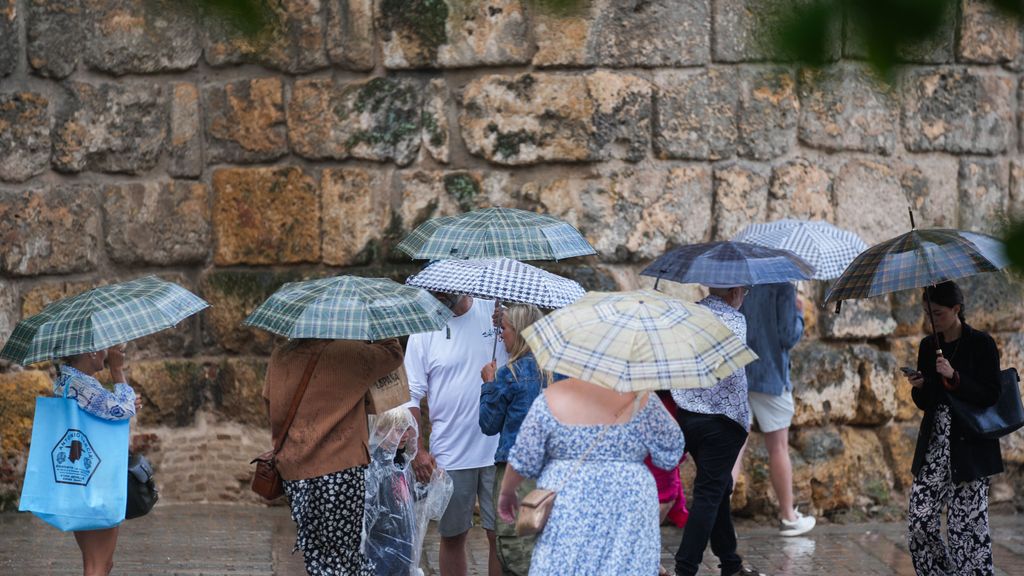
(397,507)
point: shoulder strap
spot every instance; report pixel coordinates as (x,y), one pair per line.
(600,435)
(299,392)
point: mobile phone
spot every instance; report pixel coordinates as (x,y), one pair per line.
(908,371)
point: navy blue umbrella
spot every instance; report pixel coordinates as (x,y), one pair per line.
(727,264)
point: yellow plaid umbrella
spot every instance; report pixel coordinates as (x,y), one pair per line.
(633,341)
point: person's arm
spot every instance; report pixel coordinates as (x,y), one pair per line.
(494,401)
(662,436)
(96,400)
(791,317)
(381,357)
(981,385)
(424,463)
(507,501)
(416,371)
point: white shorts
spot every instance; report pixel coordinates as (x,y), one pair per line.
(771,412)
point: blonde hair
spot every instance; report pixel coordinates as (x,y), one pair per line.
(519,316)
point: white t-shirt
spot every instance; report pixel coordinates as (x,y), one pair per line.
(445,367)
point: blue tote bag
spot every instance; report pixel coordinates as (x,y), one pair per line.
(77,472)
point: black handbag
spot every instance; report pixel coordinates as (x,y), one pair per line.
(142,492)
(995,421)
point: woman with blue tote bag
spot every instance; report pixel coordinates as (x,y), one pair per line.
(93,436)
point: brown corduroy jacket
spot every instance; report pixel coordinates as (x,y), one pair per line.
(329,433)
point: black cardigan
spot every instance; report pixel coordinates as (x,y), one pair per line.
(976,359)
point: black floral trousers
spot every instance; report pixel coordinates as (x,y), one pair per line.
(969,548)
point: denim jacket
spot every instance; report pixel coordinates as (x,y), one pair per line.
(505,401)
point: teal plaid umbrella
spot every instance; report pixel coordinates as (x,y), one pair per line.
(495,233)
(917,259)
(100,318)
(349,308)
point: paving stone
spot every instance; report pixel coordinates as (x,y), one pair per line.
(41,236)
(245,121)
(741,197)
(294,41)
(350,34)
(768,108)
(110,127)
(958,111)
(141,36)
(265,216)
(984,195)
(10,43)
(531,118)
(377,120)
(158,223)
(55,31)
(695,114)
(186,140)
(844,107)
(24,135)
(354,195)
(987,35)
(800,189)
(448,34)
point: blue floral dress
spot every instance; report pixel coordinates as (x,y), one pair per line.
(605,518)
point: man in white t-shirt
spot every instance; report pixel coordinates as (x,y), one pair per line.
(445,366)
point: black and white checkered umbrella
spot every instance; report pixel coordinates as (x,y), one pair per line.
(501,279)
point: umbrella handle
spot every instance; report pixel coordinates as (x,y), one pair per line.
(494,349)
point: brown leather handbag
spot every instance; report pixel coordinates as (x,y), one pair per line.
(267,480)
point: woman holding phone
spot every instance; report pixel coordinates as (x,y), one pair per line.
(951,468)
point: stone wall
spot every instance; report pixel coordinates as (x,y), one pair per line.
(137,137)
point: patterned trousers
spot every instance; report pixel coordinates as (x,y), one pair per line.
(969,551)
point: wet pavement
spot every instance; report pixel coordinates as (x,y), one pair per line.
(206,539)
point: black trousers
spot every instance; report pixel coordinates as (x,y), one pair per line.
(713,442)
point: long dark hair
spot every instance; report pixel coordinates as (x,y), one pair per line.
(946,294)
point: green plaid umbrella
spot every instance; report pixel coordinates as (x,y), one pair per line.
(349,308)
(100,318)
(495,233)
(917,259)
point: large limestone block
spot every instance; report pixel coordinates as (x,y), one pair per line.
(428,194)
(631,214)
(743,31)
(984,195)
(55,30)
(159,223)
(826,383)
(293,42)
(50,231)
(434,135)
(988,35)
(958,110)
(741,197)
(238,395)
(899,441)
(661,33)
(356,214)
(245,121)
(847,467)
(531,118)
(904,352)
(233,295)
(41,295)
(186,138)
(378,119)
(111,127)
(844,107)
(24,135)
(1016,199)
(907,312)
(8,309)
(10,40)
(936,48)
(800,189)
(857,319)
(877,401)
(768,109)
(695,114)
(994,302)
(141,36)
(930,184)
(172,391)
(453,34)
(350,34)
(19,391)
(265,216)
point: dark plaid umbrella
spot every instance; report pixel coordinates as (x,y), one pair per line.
(917,259)
(495,233)
(727,264)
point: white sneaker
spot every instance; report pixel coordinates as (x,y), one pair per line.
(801,525)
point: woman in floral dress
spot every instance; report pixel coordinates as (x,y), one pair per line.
(588,444)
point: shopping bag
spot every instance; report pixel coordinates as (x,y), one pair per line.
(389,392)
(77,472)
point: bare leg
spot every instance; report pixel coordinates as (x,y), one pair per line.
(453,555)
(97,548)
(781,469)
(737,468)
(493,565)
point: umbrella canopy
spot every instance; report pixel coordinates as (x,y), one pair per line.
(642,340)
(496,233)
(726,264)
(349,308)
(501,279)
(827,248)
(916,259)
(100,318)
